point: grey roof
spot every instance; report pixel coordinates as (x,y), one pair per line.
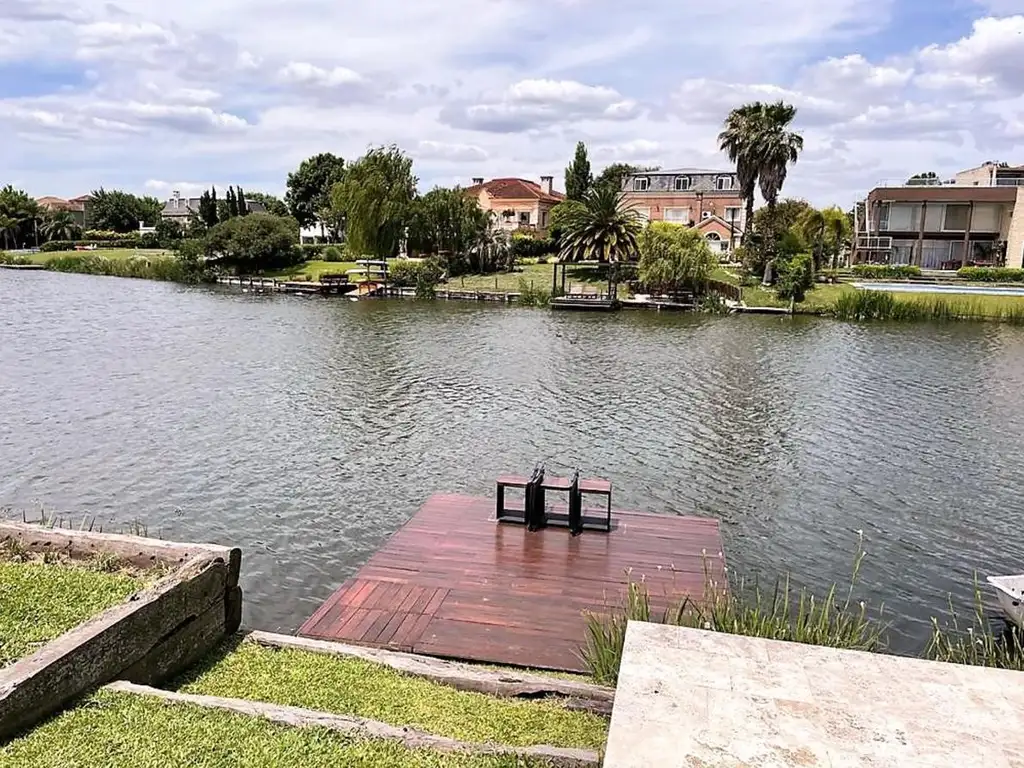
(687,172)
(190,205)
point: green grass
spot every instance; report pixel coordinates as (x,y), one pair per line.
(818,300)
(108,253)
(41,601)
(311,270)
(121,730)
(539,275)
(356,687)
(880,305)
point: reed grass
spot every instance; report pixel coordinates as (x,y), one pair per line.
(531,296)
(880,305)
(974,640)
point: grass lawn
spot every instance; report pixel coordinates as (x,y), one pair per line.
(311,270)
(121,730)
(356,687)
(40,601)
(538,274)
(819,299)
(107,253)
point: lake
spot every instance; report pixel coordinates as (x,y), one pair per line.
(306,431)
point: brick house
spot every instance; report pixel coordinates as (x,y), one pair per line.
(707,199)
(517,203)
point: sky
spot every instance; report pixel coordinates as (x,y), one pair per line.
(154,97)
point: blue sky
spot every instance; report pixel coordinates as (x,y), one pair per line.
(155,97)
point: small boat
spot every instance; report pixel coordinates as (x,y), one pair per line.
(1010,591)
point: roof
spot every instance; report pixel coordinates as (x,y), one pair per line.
(685,172)
(944,193)
(191,204)
(515,189)
(50,201)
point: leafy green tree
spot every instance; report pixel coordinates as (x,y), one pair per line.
(250,244)
(795,275)
(114,210)
(273,205)
(310,185)
(149,210)
(243,210)
(788,213)
(168,231)
(674,258)
(446,220)
(603,228)
(8,229)
(578,178)
(23,214)
(59,224)
(376,197)
(827,231)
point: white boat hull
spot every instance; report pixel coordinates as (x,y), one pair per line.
(1010,593)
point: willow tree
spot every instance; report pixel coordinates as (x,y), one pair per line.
(376,198)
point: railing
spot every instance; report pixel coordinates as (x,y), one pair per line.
(1009,182)
(874,243)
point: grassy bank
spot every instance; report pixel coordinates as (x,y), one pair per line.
(352,686)
(879,305)
(119,730)
(114,254)
(42,600)
(311,270)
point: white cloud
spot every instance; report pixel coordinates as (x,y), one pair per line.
(440,150)
(303,73)
(991,56)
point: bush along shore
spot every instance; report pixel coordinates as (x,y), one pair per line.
(835,619)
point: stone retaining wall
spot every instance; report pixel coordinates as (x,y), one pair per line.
(157,633)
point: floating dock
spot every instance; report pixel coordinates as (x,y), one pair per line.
(454,583)
(22,266)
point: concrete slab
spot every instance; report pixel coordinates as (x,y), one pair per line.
(688,698)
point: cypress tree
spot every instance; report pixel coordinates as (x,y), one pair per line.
(578,178)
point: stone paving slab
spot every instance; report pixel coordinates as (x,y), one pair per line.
(687,698)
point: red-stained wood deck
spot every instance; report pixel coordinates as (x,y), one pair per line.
(454,583)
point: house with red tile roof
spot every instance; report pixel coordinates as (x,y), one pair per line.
(77,206)
(517,203)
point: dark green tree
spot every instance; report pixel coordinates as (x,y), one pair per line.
(578,178)
(149,210)
(447,221)
(240,201)
(310,185)
(273,205)
(208,212)
(251,244)
(114,210)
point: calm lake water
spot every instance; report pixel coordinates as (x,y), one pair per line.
(307,431)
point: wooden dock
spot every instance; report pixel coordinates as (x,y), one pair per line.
(455,583)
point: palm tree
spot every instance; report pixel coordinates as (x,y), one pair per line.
(59,224)
(775,147)
(602,228)
(737,141)
(8,228)
(812,226)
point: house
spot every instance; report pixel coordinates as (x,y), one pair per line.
(698,197)
(76,206)
(180,208)
(976,218)
(517,203)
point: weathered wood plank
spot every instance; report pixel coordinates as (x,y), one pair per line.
(464,677)
(101,648)
(363,728)
(141,552)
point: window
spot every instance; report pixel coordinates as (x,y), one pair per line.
(682,183)
(713,237)
(732,214)
(956,218)
(642,184)
(543,218)
(723,182)
(643,213)
(524,217)
(677,215)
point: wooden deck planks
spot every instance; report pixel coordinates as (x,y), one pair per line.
(453,582)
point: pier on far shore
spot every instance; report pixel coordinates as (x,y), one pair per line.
(453,582)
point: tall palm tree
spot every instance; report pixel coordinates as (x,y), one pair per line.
(737,140)
(603,228)
(59,224)
(776,148)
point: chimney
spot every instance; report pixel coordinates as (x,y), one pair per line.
(546,183)
(478,180)
(176,196)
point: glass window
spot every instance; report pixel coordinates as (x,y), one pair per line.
(677,215)
(524,217)
(641,184)
(956,217)
(682,183)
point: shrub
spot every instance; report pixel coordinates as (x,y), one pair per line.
(422,275)
(530,296)
(53,246)
(673,259)
(991,274)
(886,271)
(170,268)
(311,251)
(333,254)
(14,258)
(529,247)
(259,241)
(795,276)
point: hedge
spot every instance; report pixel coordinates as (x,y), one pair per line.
(527,247)
(991,274)
(886,271)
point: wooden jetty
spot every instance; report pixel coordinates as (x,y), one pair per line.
(326,285)
(585,303)
(455,583)
(22,266)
